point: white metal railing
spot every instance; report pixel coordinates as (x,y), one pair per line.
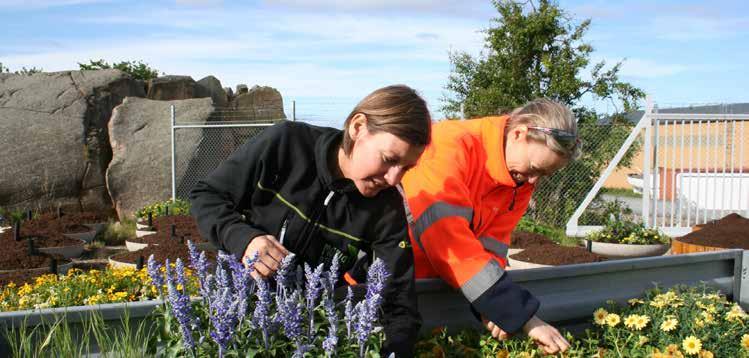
(694,169)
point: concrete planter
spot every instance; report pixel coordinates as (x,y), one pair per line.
(120,264)
(140,224)
(135,246)
(69,252)
(87,236)
(626,250)
(141,233)
(521,265)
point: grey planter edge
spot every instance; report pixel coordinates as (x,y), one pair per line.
(566,292)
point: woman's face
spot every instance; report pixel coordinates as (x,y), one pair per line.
(529,160)
(377,160)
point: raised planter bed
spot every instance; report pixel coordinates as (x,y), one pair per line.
(161,252)
(731,231)
(551,255)
(66,251)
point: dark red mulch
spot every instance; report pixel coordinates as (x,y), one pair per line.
(524,239)
(184,226)
(48,224)
(20,259)
(172,251)
(49,240)
(557,255)
(160,237)
(18,277)
(729,232)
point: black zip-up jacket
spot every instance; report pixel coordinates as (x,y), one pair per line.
(281,178)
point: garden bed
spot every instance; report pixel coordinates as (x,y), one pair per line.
(729,232)
(555,255)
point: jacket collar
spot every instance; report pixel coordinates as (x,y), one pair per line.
(493,136)
(326,145)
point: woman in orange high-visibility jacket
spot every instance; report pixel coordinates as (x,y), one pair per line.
(466,194)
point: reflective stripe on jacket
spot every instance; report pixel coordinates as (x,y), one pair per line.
(464,205)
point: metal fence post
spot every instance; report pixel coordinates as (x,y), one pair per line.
(293,110)
(646,175)
(174,164)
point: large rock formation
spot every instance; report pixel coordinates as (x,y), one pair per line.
(54,140)
(210,86)
(168,88)
(260,104)
(140,132)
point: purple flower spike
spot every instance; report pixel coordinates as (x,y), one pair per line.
(154,271)
(349,315)
(314,286)
(261,317)
(179,303)
(331,341)
(283,275)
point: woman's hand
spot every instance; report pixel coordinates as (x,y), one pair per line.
(546,336)
(497,333)
(270,253)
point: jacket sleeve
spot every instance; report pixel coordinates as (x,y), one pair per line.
(217,200)
(401,319)
(443,211)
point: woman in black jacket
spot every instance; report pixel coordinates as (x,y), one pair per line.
(315,191)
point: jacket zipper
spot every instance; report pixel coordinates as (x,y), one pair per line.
(314,222)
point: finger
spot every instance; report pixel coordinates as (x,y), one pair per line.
(550,347)
(562,343)
(270,263)
(280,247)
(275,253)
(262,269)
(503,335)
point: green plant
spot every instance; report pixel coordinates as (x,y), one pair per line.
(628,232)
(136,69)
(557,235)
(601,211)
(176,207)
(116,232)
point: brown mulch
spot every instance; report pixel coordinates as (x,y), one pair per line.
(557,255)
(20,259)
(48,224)
(524,239)
(49,240)
(18,277)
(730,232)
(184,226)
(172,251)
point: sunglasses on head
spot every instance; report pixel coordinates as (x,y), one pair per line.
(566,139)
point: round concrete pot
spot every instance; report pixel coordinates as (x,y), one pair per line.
(135,246)
(140,224)
(626,250)
(68,252)
(86,236)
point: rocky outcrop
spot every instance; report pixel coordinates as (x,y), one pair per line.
(140,132)
(210,86)
(54,141)
(260,104)
(169,88)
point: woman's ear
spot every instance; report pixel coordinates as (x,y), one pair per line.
(357,126)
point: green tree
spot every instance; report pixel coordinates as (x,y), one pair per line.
(136,69)
(535,49)
(22,71)
(3,69)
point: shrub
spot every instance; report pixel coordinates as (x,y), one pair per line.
(175,207)
(136,69)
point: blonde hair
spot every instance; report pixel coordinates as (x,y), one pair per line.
(545,113)
(395,109)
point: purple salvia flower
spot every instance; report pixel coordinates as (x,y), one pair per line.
(333,273)
(331,341)
(313,288)
(262,309)
(223,317)
(154,271)
(222,275)
(290,313)
(363,324)
(199,263)
(179,270)
(179,303)
(349,314)
(283,275)
(376,280)
(366,310)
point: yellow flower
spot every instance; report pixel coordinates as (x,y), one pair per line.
(745,341)
(708,317)
(706,354)
(612,319)
(11,285)
(600,316)
(641,321)
(699,322)
(669,325)
(635,301)
(672,349)
(692,345)
(25,290)
(642,340)
(630,320)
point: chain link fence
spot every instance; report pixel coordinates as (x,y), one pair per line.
(557,197)
(199,146)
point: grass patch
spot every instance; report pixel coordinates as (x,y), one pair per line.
(116,232)
(621,192)
(555,234)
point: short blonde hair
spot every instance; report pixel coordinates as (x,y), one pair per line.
(397,110)
(545,113)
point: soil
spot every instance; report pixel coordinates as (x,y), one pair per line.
(160,237)
(18,277)
(164,251)
(184,226)
(730,232)
(49,224)
(49,240)
(556,255)
(20,259)
(523,240)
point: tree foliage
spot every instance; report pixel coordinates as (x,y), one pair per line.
(136,69)
(535,49)
(22,71)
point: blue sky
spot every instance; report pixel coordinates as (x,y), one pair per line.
(327,54)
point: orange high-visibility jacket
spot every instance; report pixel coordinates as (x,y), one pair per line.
(464,205)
